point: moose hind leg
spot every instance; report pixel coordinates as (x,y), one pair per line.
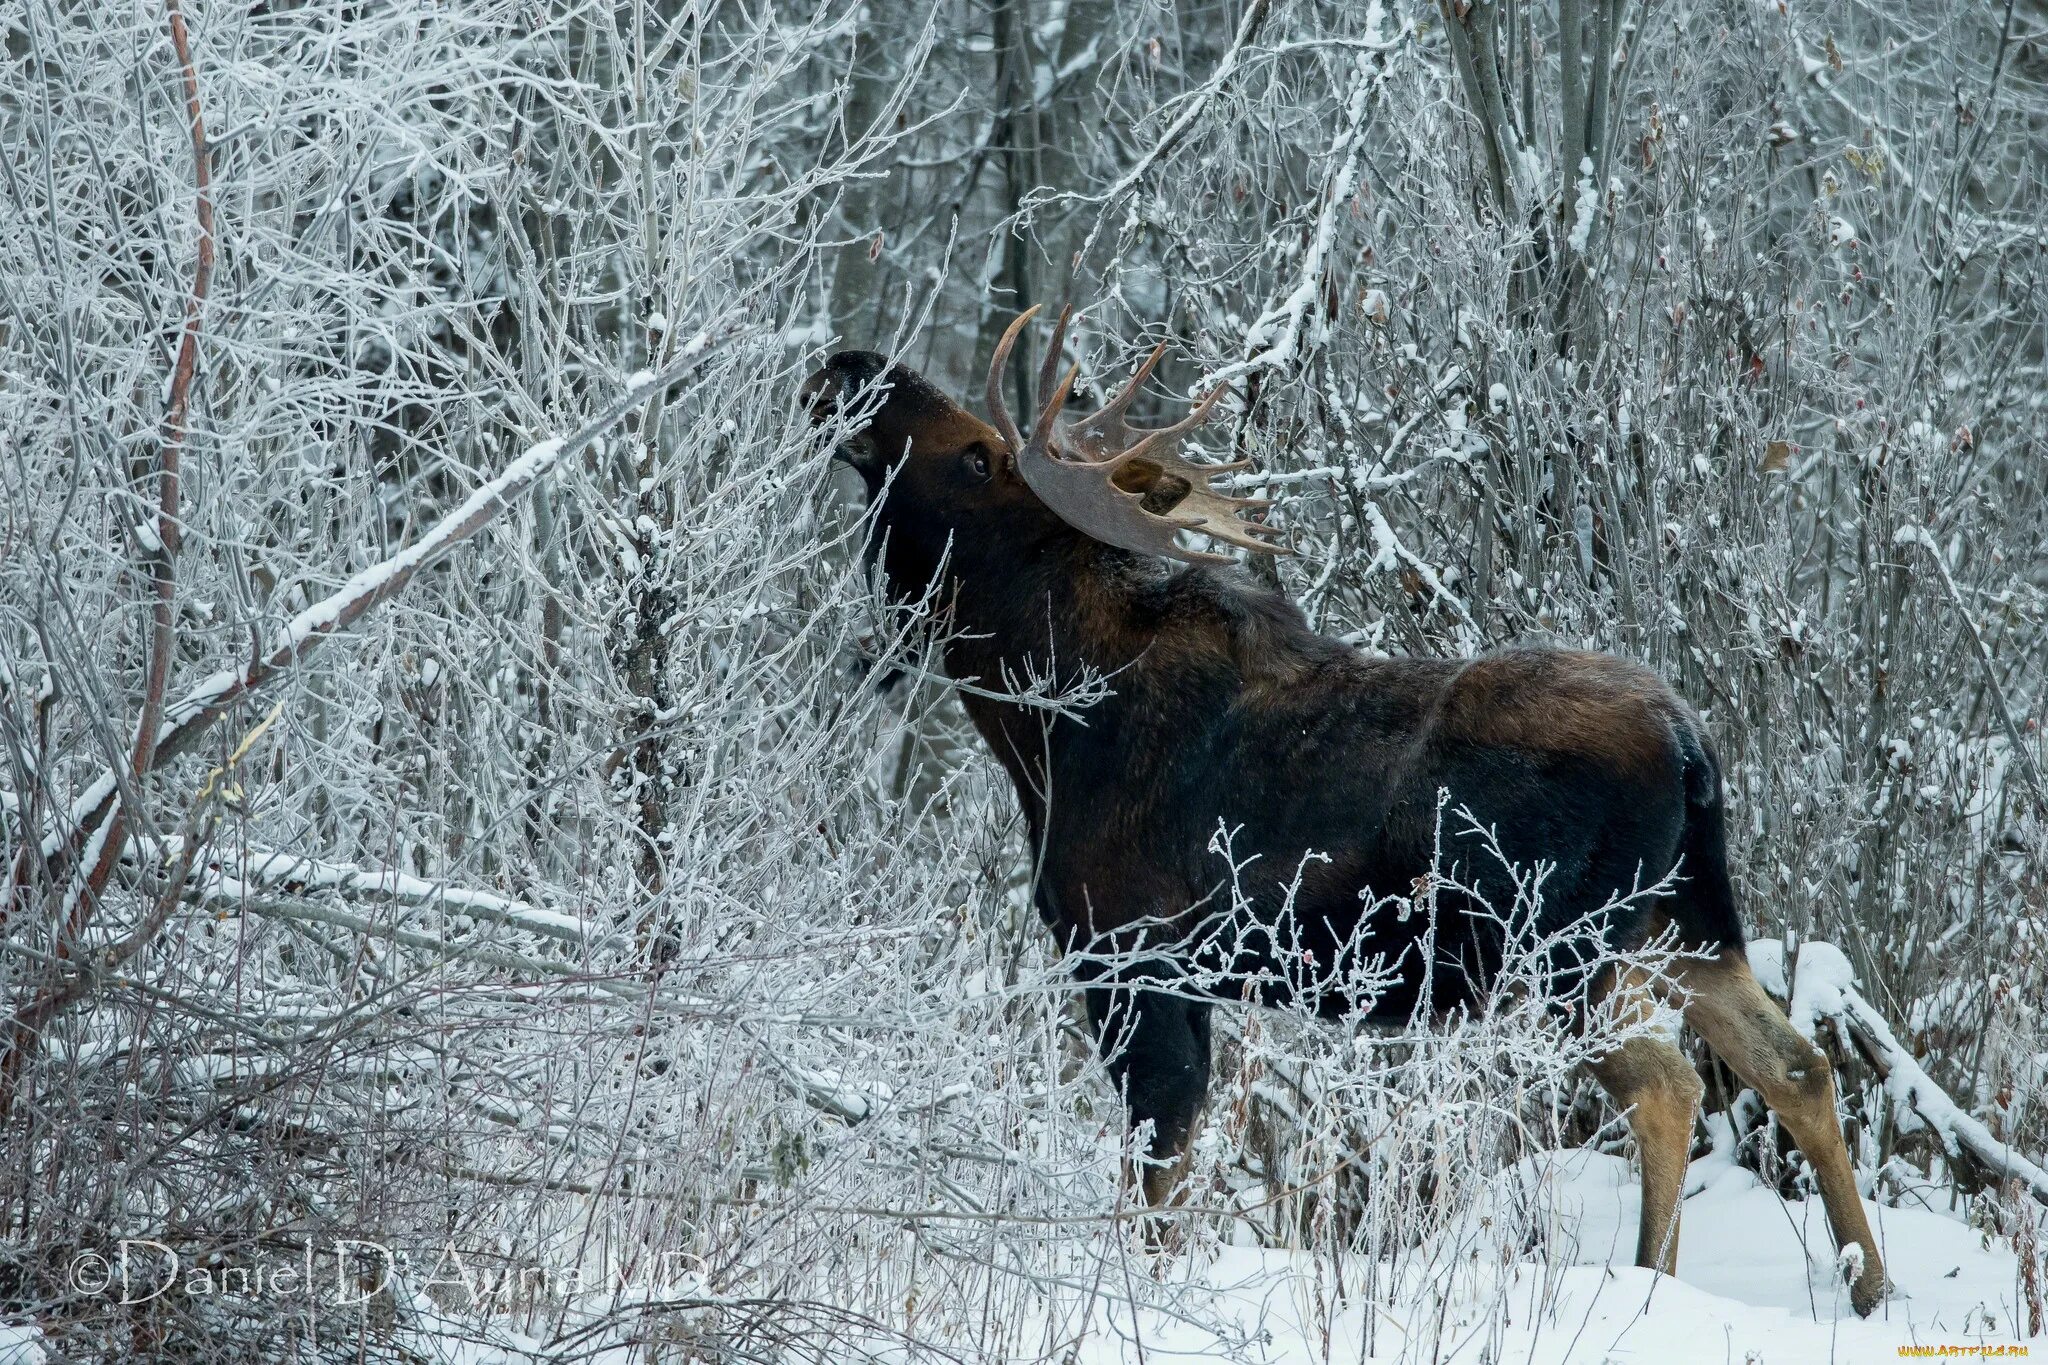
(1650,1078)
(1157,1049)
(1742,1024)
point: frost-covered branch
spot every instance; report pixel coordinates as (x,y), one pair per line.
(200,705)
(2030,769)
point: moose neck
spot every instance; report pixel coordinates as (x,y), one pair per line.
(1060,610)
(1063,612)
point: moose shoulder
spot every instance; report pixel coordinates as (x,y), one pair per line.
(1226,712)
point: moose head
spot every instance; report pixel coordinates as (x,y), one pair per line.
(948,481)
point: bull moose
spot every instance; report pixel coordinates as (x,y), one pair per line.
(1044,552)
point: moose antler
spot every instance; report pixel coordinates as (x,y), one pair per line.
(1129,486)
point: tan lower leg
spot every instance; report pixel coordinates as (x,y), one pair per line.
(1650,1078)
(1161,1181)
(1730,1010)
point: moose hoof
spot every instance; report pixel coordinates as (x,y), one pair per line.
(1868,1290)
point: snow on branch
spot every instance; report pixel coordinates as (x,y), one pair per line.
(262,871)
(205,702)
(1823,987)
(281,887)
(1195,104)
(372,587)
(1275,339)
(2030,771)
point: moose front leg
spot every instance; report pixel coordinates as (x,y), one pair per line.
(1156,1045)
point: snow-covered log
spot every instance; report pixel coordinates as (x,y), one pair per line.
(1823,990)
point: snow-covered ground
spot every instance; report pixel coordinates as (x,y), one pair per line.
(1754,1285)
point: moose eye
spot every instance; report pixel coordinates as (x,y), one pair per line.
(977,461)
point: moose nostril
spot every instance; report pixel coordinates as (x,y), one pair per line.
(820,394)
(842,376)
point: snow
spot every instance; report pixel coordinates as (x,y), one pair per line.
(1756,1281)
(1585,206)
(21,1346)
(1910,534)
(1767,965)
(1758,1277)
(1390,553)
(1822,985)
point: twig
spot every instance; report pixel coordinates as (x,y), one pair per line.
(162,546)
(1198,102)
(206,702)
(176,417)
(2029,770)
